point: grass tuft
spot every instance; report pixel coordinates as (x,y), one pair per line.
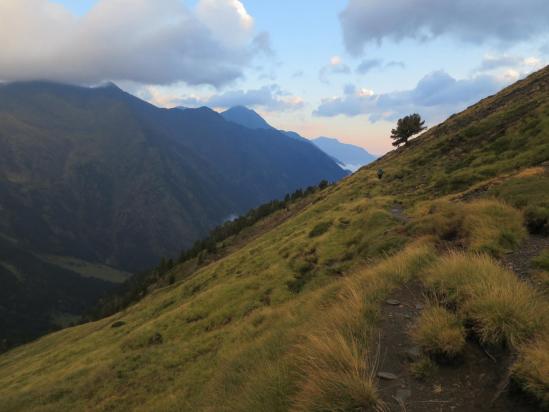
(439,333)
(531,370)
(502,309)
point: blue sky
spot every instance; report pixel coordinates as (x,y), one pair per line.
(296,62)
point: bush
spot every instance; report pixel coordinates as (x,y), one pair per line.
(320,229)
(537,220)
(439,333)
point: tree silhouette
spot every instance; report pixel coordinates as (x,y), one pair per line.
(407,127)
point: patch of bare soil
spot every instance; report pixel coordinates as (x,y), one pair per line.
(520,260)
(476,382)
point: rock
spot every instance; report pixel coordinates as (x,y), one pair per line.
(392,302)
(419,306)
(403,394)
(118,324)
(387,375)
(156,339)
(413,353)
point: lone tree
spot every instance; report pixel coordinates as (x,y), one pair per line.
(406,128)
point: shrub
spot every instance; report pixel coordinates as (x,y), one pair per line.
(531,370)
(439,333)
(423,368)
(537,220)
(320,229)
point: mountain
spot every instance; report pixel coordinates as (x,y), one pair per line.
(369,294)
(246,117)
(351,157)
(97,175)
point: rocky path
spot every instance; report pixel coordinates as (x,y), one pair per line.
(470,385)
(520,260)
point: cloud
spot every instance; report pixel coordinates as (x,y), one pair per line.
(503,21)
(369,64)
(262,43)
(336,66)
(269,98)
(493,62)
(366,65)
(146,41)
(436,96)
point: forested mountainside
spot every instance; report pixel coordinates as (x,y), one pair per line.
(99,177)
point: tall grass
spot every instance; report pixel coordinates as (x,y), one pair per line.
(439,332)
(502,309)
(338,359)
(531,370)
(484,225)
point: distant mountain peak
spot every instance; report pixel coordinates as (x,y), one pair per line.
(350,157)
(245,117)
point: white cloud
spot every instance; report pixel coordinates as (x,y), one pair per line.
(435,97)
(146,41)
(503,21)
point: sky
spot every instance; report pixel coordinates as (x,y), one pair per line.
(340,68)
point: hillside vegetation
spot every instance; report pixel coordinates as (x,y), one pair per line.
(294,317)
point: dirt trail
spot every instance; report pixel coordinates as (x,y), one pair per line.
(469,386)
(520,260)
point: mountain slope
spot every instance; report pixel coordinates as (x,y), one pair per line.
(245,117)
(99,175)
(291,318)
(352,157)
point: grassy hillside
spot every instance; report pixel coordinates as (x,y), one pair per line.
(296,317)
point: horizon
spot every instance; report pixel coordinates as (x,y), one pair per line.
(349,75)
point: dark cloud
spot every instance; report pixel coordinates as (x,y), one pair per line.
(496,62)
(366,65)
(436,96)
(503,21)
(370,64)
(271,98)
(148,42)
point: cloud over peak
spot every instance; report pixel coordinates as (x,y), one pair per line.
(151,42)
(503,21)
(435,96)
(269,98)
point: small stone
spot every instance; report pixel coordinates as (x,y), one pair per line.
(419,306)
(392,302)
(387,375)
(403,394)
(408,316)
(413,353)
(156,339)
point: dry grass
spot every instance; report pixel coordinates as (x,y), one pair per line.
(338,359)
(502,309)
(531,371)
(439,333)
(484,225)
